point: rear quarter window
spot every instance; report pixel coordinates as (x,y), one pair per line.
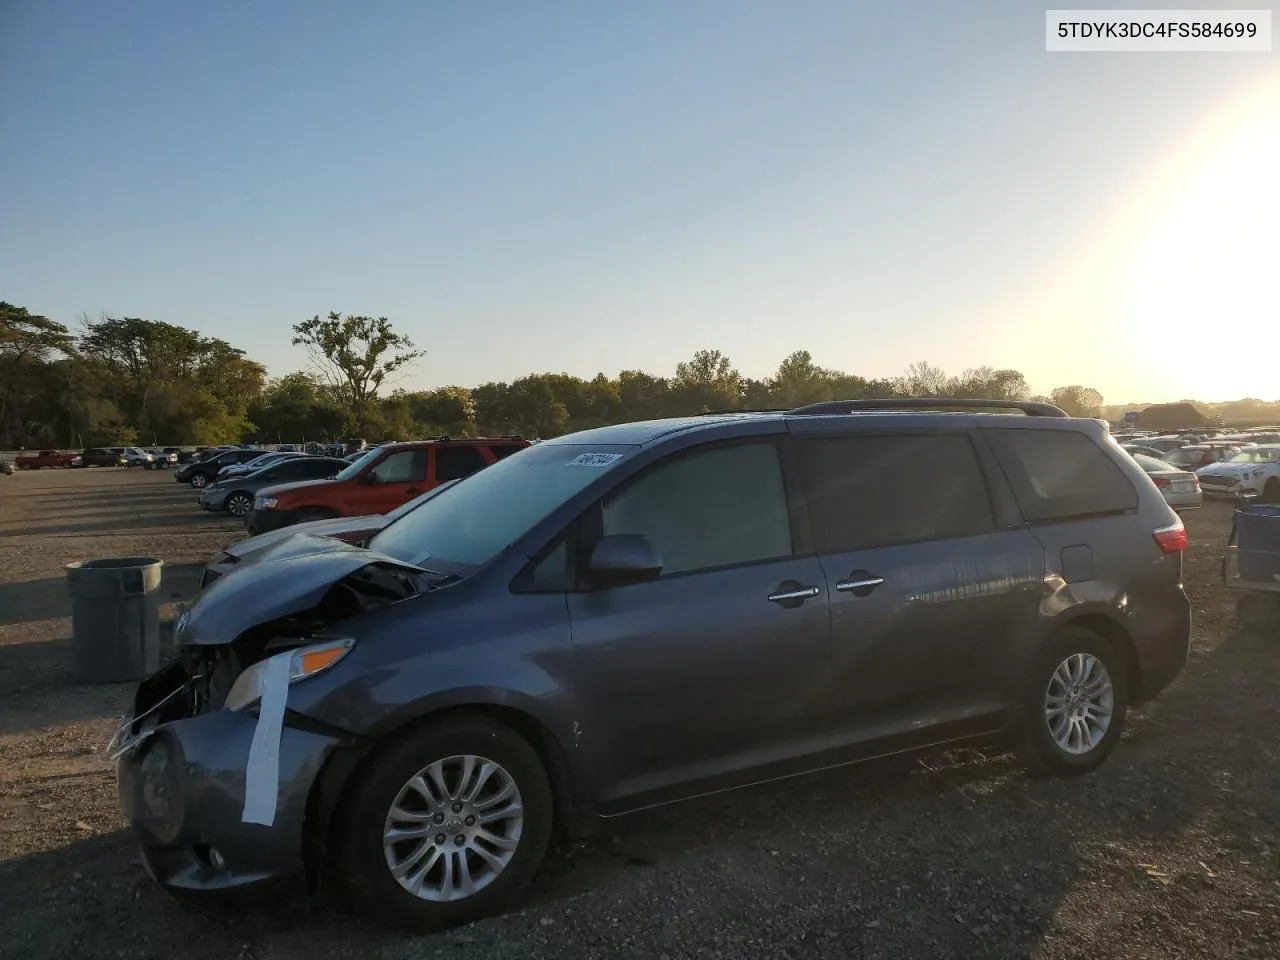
(1060,474)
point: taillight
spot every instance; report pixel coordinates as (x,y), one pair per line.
(1171,539)
(1162,482)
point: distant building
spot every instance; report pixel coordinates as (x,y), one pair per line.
(1173,416)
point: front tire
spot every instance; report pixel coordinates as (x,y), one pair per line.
(199,481)
(1076,702)
(446,825)
(239,504)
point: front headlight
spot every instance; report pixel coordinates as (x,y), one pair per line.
(303,663)
(264,503)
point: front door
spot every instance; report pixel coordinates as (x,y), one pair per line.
(928,595)
(719,665)
(396,478)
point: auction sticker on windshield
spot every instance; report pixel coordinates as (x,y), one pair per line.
(594,459)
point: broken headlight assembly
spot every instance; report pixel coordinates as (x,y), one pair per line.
(304,662)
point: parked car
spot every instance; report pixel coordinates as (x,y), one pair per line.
(54,459)
(201,473)
(135,457)
(1252,472)
(6,467)
(168,457)
(357,530)
(235,494)
(636,614)
(380,480)
(99,457)
(1180,488)
(1165,444)
(254,465)
(1199,455)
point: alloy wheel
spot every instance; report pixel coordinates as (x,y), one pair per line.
(238,504)
(1078,703)
(199,480)
(453,828)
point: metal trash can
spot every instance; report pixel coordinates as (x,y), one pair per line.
(115,618)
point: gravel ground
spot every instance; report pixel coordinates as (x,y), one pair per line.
(1171,850)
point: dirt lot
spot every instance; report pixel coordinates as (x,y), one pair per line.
(1172,850)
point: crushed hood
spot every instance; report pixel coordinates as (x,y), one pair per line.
(294,578)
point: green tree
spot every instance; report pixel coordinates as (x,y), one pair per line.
(30,346)
(355,355)
(707,381)
(1078,401)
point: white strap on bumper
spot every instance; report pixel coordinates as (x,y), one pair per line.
(262,772)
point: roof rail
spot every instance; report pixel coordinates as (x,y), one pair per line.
(721,413)
(1029,407)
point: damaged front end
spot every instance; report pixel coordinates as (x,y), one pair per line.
(280,607)
(187,774)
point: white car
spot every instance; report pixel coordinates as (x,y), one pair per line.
(1252,472)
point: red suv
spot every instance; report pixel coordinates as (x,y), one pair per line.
(379,481)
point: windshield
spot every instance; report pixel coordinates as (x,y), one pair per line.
(358,464)
(476,520)
(1257,455)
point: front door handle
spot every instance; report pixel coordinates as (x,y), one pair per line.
(792,594)
(860,583)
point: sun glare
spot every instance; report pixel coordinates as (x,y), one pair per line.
(1202,294)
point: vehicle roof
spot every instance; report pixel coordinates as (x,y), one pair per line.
(644,432)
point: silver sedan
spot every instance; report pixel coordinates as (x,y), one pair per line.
(1181,489)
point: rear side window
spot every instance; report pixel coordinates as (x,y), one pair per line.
(505,450)
(454,463)
(1060,474)
(875,491)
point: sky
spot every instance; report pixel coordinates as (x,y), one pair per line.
(582,186)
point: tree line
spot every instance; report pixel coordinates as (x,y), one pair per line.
(128,380)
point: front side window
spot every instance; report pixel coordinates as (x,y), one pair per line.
(875,491)
(713,508)
(404,466)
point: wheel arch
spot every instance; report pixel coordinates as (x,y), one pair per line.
(1110,629)
(341,772)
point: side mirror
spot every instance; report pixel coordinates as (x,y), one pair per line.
(623,559)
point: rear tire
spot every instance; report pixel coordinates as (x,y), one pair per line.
(1076,701)
(1271,492)
(520,820)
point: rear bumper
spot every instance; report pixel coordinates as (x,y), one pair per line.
(183,792)
(1162,646)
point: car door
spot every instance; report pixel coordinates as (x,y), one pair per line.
(717,666)
(398,476)
(932,580)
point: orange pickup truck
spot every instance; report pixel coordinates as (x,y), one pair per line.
(45,458)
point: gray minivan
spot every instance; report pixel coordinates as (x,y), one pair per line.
(641,613)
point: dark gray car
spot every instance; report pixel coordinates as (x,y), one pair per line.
(637,614)
(235,494)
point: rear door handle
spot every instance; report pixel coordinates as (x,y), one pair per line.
(860,583)
(414,491)
(792,594)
